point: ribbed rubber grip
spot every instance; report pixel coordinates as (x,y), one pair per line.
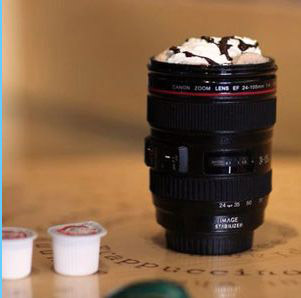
(242,115)
(209,244)
(215,188)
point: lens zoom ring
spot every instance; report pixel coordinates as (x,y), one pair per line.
(237,188)
(244,115)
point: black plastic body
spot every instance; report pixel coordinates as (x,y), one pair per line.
(210,152)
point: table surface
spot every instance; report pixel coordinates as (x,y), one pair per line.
(113,190)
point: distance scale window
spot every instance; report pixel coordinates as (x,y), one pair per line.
(228,163)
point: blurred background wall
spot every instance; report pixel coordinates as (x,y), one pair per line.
(74,72)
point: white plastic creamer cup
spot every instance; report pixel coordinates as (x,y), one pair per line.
(76,247)
(17,246)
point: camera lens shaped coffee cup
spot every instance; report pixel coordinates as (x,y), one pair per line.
(209,152)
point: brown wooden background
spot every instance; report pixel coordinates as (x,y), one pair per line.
(77,68)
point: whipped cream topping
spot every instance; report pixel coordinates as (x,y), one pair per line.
(207,50)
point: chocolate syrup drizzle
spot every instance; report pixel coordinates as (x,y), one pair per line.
(176,50)
(210,61)
(222,45)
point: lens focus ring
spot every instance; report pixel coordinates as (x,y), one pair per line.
(210,245)
(215,188)
(242,115)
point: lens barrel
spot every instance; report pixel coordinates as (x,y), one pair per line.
(209,152)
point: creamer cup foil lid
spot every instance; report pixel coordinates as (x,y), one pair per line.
(17,234)
(78,230)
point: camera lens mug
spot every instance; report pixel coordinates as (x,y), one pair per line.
(209,152)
